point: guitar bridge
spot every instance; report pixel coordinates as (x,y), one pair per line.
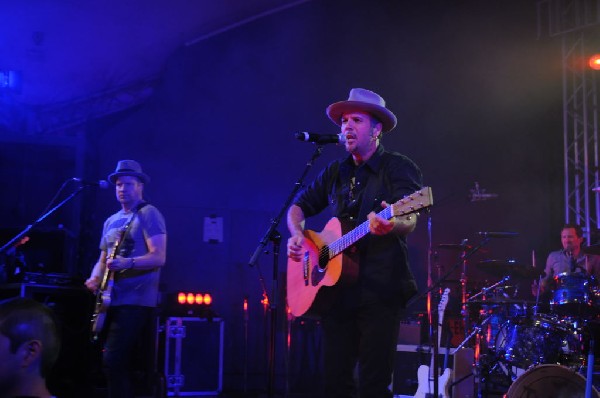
(306,267)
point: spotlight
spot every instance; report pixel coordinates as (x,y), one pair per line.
(189,304)
(594,62)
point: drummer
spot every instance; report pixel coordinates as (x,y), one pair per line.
(571,259)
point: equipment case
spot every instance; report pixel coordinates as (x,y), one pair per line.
(193,356)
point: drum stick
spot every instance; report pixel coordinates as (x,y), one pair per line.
(587,266)
(537,296)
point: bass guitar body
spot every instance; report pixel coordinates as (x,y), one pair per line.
(103,299)
(425,374)
(425,389)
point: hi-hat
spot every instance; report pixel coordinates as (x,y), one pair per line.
(509,267)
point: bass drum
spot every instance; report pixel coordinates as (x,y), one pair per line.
(550,381)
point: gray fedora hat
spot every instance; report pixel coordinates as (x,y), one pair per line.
(364,100)
(128,168)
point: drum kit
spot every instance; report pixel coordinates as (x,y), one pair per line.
(529,348)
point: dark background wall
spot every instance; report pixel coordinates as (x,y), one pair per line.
(478,99)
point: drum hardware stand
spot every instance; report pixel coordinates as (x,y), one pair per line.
(476,332)
(537,296)
(463,277)
(487,289)
(433,285)
(590,369)
(476,329)
(477,366)
(463,286)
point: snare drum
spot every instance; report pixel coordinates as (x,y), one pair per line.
(549,381)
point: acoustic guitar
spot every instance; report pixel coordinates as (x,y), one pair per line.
(327,262)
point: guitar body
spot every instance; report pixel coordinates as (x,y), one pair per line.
(425,388)
(103,299)
(309,281)
(330,258)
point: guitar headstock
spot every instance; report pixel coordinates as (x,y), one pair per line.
(444,301)
(413,202)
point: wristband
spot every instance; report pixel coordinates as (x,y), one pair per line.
(132,263)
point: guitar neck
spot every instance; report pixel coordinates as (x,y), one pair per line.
(407,205)
(350,238)
(440,322)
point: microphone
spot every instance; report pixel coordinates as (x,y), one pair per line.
(498,234)
(321,138)
(100,183)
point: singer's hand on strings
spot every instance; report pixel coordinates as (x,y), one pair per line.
(294,247)
(379,225)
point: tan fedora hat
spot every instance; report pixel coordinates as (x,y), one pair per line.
(363,100)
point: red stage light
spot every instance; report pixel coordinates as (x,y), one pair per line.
(594,62)
(190,298)
(194,298)
(190,304)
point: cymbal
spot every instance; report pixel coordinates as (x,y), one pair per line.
(503,300)
(454,246)
(510,268)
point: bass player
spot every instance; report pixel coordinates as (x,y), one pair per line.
(360,325)
(132,253)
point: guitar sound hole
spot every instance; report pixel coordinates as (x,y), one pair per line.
(323,258)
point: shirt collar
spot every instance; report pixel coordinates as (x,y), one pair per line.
(374,162)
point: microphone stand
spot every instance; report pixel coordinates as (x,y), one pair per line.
(11,242)
(274,236)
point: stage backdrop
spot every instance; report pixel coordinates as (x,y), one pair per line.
(478,100)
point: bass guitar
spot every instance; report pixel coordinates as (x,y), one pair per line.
(325,263)
(104,293)
(425,373)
